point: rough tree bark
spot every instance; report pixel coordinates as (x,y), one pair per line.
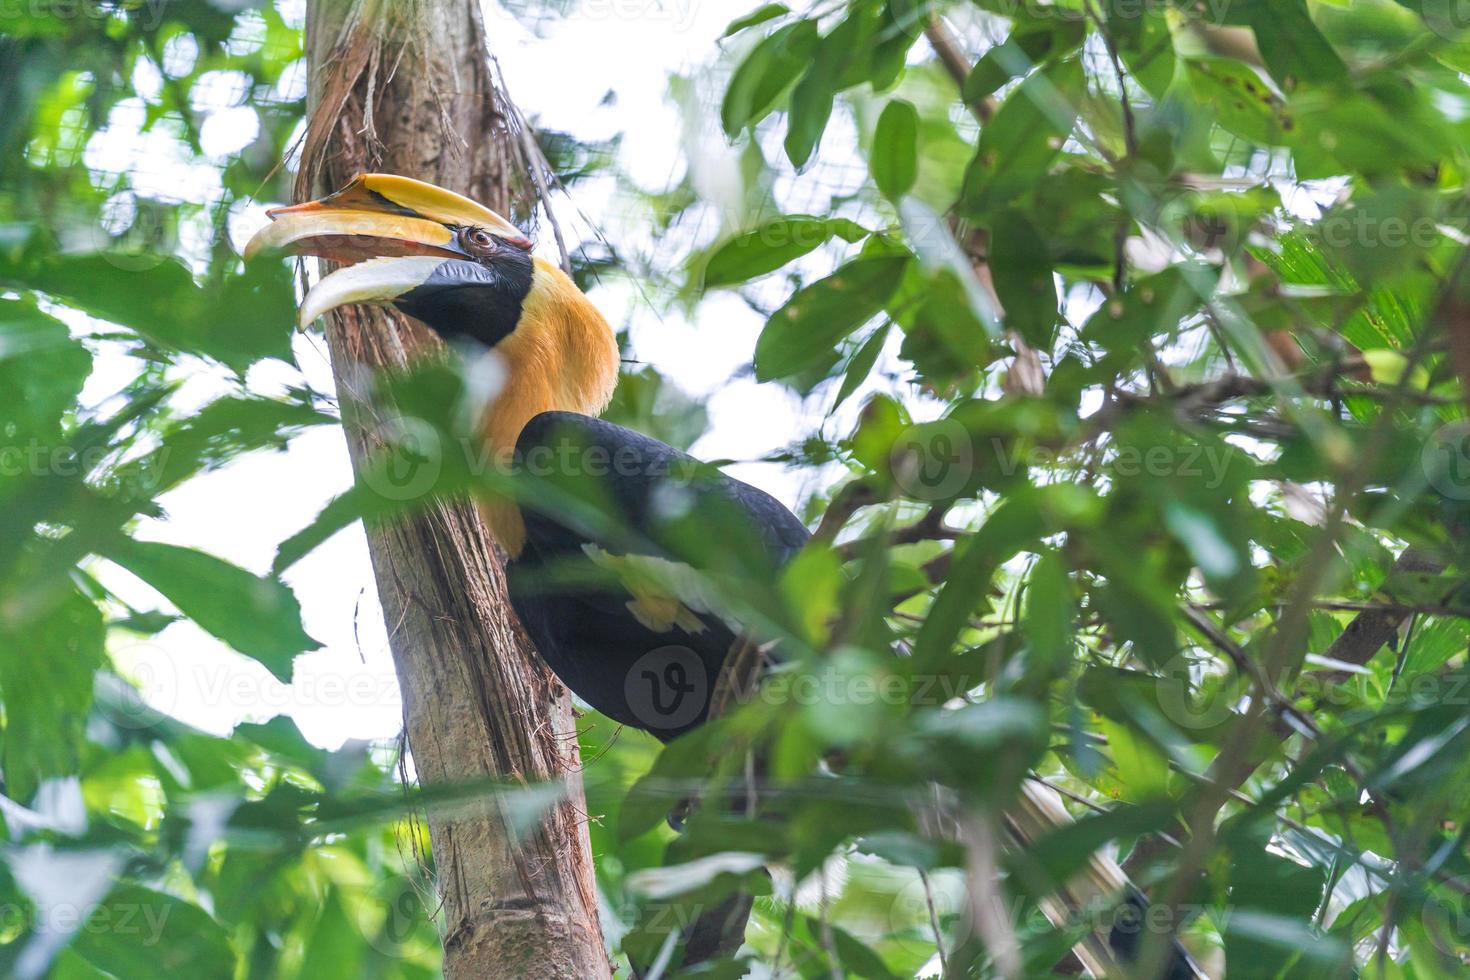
(406,87)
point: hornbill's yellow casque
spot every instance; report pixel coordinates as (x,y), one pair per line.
(469,274)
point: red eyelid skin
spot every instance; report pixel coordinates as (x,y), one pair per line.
(494,238)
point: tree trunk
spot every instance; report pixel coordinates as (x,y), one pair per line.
(405,87)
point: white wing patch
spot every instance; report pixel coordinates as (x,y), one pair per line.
(666,594)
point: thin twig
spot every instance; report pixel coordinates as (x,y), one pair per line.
(934,924)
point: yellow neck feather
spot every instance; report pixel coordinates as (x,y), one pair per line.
(561,357)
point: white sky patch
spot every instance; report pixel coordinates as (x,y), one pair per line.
(229,131)
(180,52)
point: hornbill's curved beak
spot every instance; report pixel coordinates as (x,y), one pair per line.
(393,233)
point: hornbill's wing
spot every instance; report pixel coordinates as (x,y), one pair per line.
(659,497)
(601,583)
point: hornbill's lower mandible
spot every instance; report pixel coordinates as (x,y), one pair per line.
(627,642)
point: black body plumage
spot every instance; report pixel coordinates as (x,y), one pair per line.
(650,498)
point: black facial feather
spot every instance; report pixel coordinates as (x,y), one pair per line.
(479,300)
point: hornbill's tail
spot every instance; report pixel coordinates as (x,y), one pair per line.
(1102,883)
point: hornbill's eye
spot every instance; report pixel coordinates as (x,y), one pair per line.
(476,241)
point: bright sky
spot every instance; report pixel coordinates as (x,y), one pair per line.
(347,690)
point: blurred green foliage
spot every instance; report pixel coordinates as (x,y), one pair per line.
(1227,239)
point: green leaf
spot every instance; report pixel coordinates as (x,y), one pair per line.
(764,75)
(341,511)
(804,331)
(765,249)
(1025,135)
(811,107)
(1292,46)
(894,158)
(1020,264)
(1142,768)
(858,959)
(42,371)
(908,15)
(984,747)
(1050,611)
(259,617)
(861,365)
(141,934)
(758,16)
(242,319)
(943,336)
(1029,45)
(1272,899)
(46,664)
(335,949)
(1014,525)
(220,432)
(1141,616)
(811,100)
(1238,99)
(1146,44)
(899,26)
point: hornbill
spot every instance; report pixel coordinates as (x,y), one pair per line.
(629,642)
